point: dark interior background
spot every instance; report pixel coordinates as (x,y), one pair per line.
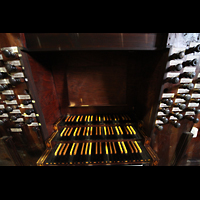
(98,81)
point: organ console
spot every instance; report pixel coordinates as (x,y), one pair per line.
(91,99)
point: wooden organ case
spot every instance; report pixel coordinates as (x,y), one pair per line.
(96,99)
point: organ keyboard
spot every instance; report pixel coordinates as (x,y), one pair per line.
(78,79)
(96,153)
(95,119)
(106,139)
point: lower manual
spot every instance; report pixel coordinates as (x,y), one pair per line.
(96,153)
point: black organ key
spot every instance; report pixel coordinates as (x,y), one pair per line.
(81,153)
(125,151)
(55,153)
(108,132)
(93,156)
(61,132)
(84,153)
(100,151)
(130,151)
(67,155)
(78,153)
(73,133)
(124,131)
(104,132)
(117,132)
(96,155)
(57,156)
(87,134)
(119,151)
(140,155)
(126,155)
(115,150)
(111,132)
(71,153)
(111,152)
(135,155)
(90,153)
(105,152)
(75,157)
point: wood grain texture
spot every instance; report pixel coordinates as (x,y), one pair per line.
(10,39)
(164,142)
(97,79)
(46,93)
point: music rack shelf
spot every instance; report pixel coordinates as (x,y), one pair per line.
(97,140)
